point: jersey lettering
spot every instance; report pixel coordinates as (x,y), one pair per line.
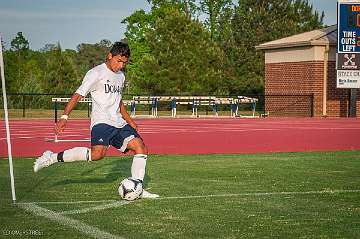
(112,89)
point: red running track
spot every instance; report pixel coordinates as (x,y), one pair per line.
(199,136)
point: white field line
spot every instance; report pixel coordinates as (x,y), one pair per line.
(260,194)
(58,216)
(211,196)
(96,208)
(86,229)
(71,202)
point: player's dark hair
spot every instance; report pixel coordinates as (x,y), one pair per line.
(120,48)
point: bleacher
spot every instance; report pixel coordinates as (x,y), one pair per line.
(195,102)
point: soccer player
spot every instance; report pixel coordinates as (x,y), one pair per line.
(110,122)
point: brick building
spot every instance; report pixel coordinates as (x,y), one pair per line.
(300,76)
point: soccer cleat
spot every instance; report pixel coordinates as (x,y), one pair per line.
(43,161)
(146,194)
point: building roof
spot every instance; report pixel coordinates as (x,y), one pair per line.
(320,37)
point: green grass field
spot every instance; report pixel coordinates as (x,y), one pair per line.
(282,195)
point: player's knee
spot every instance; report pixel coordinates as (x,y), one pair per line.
(137,146)
(98,152)
(141,148)
(96,155)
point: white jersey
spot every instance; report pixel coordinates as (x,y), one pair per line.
(105,87)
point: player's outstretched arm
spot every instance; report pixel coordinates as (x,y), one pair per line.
(127,117)
(61,124)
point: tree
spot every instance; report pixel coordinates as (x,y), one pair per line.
(189,7)
(60,73)
(171,51)
(19,43)
(11,70)
(138,25)
(216,10)
(183,58)
(32,83)
(15,61)
(90,55)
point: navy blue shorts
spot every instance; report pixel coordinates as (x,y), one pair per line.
(104,134)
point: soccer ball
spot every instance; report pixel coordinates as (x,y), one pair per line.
(130,189)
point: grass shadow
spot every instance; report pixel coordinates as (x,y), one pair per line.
(119,169)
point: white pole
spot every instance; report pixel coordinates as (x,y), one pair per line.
(11,168)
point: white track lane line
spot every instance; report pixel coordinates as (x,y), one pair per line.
(86,229)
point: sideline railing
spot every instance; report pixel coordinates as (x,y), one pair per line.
(274,105)
(173,101)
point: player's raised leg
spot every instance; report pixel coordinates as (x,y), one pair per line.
(71,155)
(75,154)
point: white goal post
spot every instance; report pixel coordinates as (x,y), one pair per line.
(11,168)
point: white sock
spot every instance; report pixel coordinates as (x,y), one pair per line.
(138,166)
(72,155)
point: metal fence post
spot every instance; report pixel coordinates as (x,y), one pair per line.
(312,106)
(23,105)
(352,102)
(55,111)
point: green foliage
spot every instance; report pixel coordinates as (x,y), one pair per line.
(51,69)
(60,72)
(172,53)
(189,7)
(185,60)
(32,83)
(172,50)
(217,11)
(15,65)
(10,69)
(19,43)
(90,55)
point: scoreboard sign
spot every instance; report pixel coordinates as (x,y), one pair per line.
(348,61)
(348,48)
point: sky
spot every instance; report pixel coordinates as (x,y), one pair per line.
(71,22)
